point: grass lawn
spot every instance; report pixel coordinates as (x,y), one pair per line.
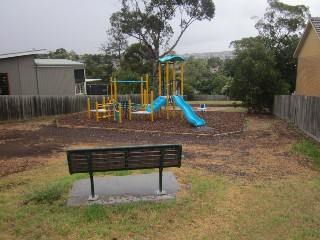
(216,102)
(33,207)
(210,205)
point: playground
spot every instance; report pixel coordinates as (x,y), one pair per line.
(227,182)
(169,103)
(235,169)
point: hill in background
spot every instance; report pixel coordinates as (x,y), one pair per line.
(223,55)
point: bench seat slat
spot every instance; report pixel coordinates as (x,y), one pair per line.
(121,158)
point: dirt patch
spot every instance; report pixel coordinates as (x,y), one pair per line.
(261,152)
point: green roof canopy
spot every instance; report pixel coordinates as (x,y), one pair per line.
(172,59)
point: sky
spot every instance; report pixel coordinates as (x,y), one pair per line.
(80,25)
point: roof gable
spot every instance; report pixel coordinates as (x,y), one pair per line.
(314,23)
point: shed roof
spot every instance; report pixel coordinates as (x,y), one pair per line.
(20,54)
(314,23)
(57,63)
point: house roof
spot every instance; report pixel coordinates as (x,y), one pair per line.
(314,23)
(20,54)
(57,63)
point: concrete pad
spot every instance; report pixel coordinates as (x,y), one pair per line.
(124,189)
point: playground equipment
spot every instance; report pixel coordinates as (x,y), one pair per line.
(122,109)
(174,89)
(170,91)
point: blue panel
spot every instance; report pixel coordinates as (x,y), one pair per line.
(158,103)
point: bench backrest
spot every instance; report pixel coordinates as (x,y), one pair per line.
(124,158)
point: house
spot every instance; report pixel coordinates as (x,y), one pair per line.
(308,54)
(22,74)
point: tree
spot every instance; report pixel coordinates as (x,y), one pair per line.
(60,53)
(117,41)
(214,62)
(256,78)
(282,27)
(148,22)
(196,71)
(134,59)
(98,66)
(127,88)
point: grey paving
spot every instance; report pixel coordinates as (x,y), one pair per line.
(123,189)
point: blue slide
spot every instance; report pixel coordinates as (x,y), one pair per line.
(188,112)
(158,103)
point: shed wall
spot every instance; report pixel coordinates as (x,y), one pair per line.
(11,66)
(28,76)
(21,75)
(56,80)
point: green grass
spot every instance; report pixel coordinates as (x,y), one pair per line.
(308,149)
(216,102)
(208,206)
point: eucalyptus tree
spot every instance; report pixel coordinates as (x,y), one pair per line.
(150,22)
(282,26)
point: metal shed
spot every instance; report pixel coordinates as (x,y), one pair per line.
(59,76)
(22,74)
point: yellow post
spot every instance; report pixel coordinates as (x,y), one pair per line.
(130,110)
(159,69)
(152,106)
(173,78)
(147,87)
(167,88)
(111,88)
(141,88)
(120,113)
(173,86)
(89,106)
(160,84)
(104,107)
(145,98)
(115,89)
(97,112)
(114,113)
(109,112)
(181,84)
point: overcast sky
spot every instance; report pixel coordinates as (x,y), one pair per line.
(81,25)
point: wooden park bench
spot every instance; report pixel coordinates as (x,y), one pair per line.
(124,158)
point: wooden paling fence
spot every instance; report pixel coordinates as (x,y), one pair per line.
(27,107)
(302,111)
(210,98)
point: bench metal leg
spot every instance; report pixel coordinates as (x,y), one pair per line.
(160,191)
(92,197)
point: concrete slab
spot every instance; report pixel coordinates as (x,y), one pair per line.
(123,189)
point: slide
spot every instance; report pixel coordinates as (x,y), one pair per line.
(188,112)
(158,103)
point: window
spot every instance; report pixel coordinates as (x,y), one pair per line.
(4,84)
(79,75)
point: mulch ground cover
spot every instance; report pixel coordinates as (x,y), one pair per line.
(216,123)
